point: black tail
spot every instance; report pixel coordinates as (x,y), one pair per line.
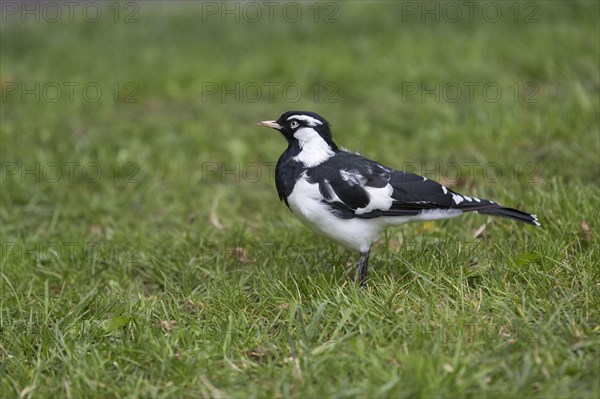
(511,213)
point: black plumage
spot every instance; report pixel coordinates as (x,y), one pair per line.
(328,188)
(412,194)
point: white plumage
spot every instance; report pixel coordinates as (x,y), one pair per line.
(351,199)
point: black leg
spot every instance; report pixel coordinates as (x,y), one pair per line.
(363,267)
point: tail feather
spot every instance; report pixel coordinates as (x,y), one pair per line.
(511,213)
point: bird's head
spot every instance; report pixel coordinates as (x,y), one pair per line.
(302,127)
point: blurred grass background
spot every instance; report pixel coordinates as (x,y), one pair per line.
(177,141)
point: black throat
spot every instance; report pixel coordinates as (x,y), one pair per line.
(288,171)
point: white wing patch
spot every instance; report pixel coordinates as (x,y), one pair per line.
(457,198)
(308,119)
(380,198)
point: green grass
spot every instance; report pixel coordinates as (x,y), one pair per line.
(95,269)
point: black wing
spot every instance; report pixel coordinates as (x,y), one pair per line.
(355,187)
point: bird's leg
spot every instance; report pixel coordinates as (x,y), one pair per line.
(363,267)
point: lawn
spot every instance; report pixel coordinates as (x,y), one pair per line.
(144,250)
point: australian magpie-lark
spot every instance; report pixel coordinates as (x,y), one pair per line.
(351,199)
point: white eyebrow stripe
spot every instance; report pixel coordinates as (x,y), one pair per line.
(308,119)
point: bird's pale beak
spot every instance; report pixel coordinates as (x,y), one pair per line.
(272,124)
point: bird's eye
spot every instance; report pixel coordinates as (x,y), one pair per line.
(294,124)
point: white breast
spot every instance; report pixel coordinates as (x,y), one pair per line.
(355,234)
(306,202)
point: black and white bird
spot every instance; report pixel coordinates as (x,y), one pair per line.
(351,199)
